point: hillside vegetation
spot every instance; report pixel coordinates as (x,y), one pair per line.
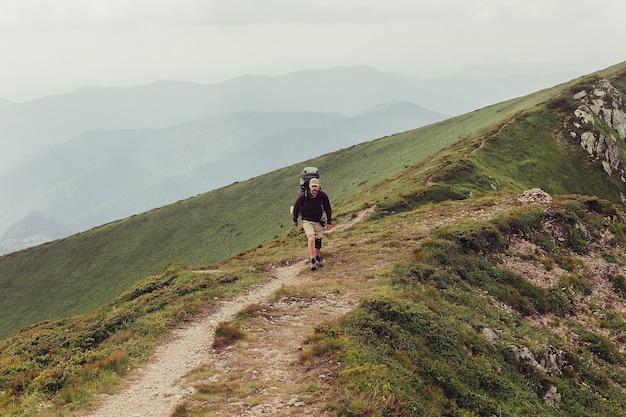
(78,274)
(472,301)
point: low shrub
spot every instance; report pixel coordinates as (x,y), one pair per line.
(619,284)
(482,238)
(226,334)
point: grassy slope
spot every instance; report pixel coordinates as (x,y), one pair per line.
(526,147)
(79,273)
(442,341)
(415,345)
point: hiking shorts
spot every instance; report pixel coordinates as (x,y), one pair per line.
(313,228)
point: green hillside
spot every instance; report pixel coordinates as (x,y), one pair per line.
(77,274)
(416,343)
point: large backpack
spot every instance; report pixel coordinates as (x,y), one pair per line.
(305,177)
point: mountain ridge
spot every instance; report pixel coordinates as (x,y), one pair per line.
(49,123)
(222,229)
(52,120)
(140,169)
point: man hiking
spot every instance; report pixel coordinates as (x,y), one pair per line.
(311,204)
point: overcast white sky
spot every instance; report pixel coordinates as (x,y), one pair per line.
(55,46)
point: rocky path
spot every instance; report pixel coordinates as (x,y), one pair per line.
(159,386)
(258,376)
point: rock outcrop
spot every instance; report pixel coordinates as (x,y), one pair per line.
(600,122)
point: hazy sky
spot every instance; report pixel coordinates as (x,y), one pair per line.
(55,46)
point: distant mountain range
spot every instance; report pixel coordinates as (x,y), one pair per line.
(100,154)
(104,175)
(29,127)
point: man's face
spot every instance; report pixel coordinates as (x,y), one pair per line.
(314,190)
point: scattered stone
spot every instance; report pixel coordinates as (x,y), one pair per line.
(552,397)
(490,335)
(297,402)
(551,361)
(535,195)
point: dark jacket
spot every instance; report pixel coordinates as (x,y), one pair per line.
(312,208)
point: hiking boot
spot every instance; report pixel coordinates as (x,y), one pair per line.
(318,262)
(313,265)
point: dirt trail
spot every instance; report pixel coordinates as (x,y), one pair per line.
(257,376)
(159,386)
